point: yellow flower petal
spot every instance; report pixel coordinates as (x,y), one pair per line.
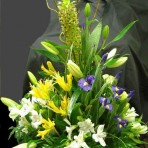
(63,109)
(42,89)
(64,85)
(48,125)
(50,71)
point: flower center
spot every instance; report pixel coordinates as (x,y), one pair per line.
(85,83)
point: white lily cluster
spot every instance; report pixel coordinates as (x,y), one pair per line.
(85,127)
(26,108)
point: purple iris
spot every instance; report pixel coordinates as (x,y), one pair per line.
(86,84)
(121,123)
(117,91)
(118,75)
(106,103)
(104,58)
(131,94)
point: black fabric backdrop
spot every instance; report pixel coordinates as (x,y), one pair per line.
(24,24)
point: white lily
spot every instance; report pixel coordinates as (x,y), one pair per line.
(14,112)
(36,119)
(78,142)
(100,135)
(130,115)
(69,130)
(139,129)
(27,106)
(86,126)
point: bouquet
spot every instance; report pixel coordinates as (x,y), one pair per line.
(81,107)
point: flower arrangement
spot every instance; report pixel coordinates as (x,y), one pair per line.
(81,106)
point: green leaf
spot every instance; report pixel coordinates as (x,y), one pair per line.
(123,32)
(75,114)
(94,38)
(73,100)
(49,55)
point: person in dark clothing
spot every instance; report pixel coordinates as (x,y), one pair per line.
(117,14)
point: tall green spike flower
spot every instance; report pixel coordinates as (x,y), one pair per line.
(68,18)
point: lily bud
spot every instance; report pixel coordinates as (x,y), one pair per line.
(74,69)
(126,107)
(112,53)
(8,102)
(105,32)
(116,62)
(25,145)
(108,79)
(87,10)
(50,48)
(123,96)
(32,78)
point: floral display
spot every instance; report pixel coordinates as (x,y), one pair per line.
(82,106)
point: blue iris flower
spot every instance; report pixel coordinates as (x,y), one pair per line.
(106,103)
(121,123)
(131,94)
(117,91)
(86,83)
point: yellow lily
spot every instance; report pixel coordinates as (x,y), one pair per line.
(63,109)
(42,89)
(48,125)
(64,85)
(50,70)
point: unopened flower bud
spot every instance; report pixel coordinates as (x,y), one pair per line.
(120,61)
(8,102)
(118,75)
(126,107)
(25,145)
(131,94)
(32,78)
(74,69)
(87,10)
(104,58)
(32,145)
(112,53)
(108,79)
(105,32)
(50,48)
(123,96)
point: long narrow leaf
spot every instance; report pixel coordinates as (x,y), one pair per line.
(73,100)
(123,32)
(47,54)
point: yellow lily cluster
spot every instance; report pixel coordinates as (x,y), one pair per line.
(63,109)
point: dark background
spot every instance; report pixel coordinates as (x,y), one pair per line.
(22,22)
